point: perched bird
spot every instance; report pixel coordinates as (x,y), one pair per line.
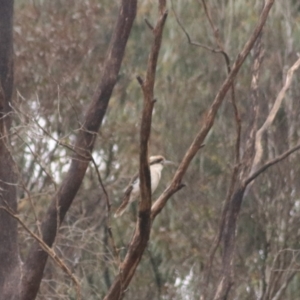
(132,191)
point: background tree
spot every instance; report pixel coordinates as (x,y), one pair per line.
(9,256)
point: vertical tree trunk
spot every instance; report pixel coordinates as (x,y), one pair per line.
(10,269)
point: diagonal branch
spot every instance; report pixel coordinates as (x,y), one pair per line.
(210,117)
(271,116)
(62,200)
(47,249)
(190,41)
(270,163)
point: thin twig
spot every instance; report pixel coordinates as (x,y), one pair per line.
(270,163)
(108,205)
(216,35)
(188,36)
(36,156)
(149,24)
(47,249)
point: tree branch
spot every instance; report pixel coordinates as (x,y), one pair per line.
(270,163)
(210,117)
(188,36)
(271,116)
(49,251)
(36,260)
(141,235)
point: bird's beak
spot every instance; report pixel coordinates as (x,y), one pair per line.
(168,162)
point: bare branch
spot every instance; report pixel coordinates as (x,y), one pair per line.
(141,235)
(235,170)
(214,28)
(108,219)
(62,200)
(101,185)
(43,168)
(270,163)
(140,80)
(232,205)
(218,236)
(149,24)
(284,286)
(188,36)
(233,100)
(271,116)
(47,249)
(208,123)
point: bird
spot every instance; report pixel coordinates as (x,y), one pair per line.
(132,191)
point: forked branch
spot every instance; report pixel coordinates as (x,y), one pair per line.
(141,235)
(271,116)
(210,117)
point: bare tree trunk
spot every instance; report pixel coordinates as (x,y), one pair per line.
(226,280)
(232,209)
(6,53)
(9,254)
(36,260)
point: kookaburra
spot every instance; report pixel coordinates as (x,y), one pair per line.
(132,192)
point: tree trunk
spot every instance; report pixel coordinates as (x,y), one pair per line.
(62,200)
(10,270)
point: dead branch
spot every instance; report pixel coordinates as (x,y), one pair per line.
(233,100)
(188,36)
(141,235)
(235,170)
(38,160)
(271,116)
(234,208)
(108,217)
(270,163)
(218,236)
(47,249)
(210,117)
(214,28)
(149,24)
(232,205)
(284,286)
(216,34)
